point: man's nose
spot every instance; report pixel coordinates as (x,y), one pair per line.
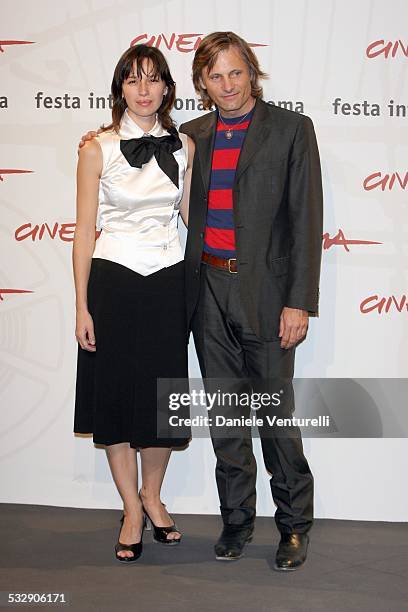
(227,84)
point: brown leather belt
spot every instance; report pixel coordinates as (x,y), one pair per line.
(230,265)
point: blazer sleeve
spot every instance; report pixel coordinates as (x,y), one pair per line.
(305,203)
(185,128)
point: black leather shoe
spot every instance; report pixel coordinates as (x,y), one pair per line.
(292,551)
(160,533)
(136,548)
(231,543)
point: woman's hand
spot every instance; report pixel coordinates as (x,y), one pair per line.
(84,331)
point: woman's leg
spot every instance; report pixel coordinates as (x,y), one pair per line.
(123,464)
(154,464)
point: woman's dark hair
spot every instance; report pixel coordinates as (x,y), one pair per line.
(133,58)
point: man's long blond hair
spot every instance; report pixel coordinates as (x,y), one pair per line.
(206,56)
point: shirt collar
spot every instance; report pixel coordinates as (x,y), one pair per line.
(130,129)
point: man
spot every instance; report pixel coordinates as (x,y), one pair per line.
(252,271)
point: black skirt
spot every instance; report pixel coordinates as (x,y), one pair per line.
(141,336)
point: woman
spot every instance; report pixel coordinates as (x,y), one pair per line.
(130,311)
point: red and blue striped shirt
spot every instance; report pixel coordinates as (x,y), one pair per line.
(219,238)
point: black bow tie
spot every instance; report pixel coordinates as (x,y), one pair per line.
(139,151)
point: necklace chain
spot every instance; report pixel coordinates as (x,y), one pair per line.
(230,131)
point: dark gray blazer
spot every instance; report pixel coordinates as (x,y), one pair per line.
(278,212)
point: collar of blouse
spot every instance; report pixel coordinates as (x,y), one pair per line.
(130,129)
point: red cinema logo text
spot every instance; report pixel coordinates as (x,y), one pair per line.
(4,171)
(378,180)
(38,231)
(64,231)
(387,49)
(8,43)
(340,240)
(12,291)
(384,304)
(184,43)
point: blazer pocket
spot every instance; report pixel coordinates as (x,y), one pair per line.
(280,265)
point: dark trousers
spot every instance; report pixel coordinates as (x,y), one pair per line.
(228,349)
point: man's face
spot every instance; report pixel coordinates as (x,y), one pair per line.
(228,83)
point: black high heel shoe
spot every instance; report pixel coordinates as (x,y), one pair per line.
(136,549)
(160,533)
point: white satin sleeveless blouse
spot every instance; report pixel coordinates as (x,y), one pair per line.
(138,207)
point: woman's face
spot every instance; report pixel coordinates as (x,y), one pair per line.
(143,95)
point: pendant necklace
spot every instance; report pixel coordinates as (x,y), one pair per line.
(229,132)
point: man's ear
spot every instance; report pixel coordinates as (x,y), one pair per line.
(202,83)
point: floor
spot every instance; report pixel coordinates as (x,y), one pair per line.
(352,565)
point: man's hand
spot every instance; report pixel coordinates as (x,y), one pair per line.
(88,136)
(293,326)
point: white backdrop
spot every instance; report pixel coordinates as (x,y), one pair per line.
(315,51)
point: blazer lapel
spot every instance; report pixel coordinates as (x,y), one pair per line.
(254,138)
(204,147)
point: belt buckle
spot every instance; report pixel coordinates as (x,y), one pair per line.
(229,265)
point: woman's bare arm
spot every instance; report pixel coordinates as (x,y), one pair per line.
(88,175)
